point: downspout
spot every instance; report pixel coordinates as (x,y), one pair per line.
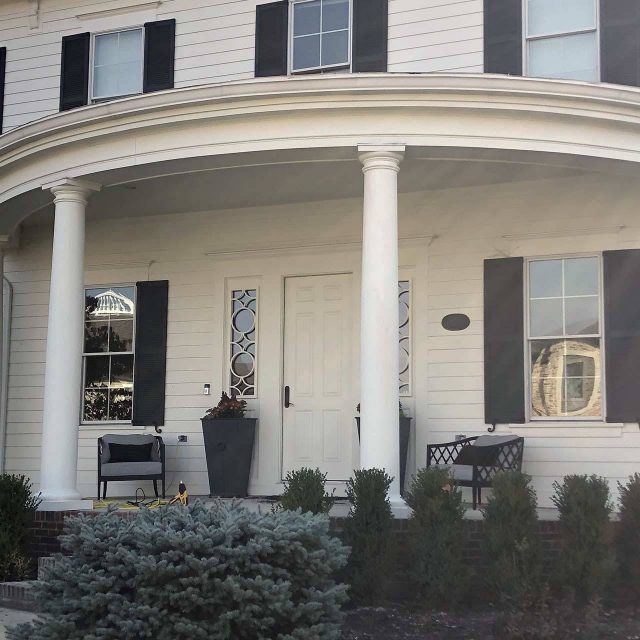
(7,308)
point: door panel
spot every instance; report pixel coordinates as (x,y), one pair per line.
(317,427)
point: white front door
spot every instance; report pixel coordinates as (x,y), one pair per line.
(318,424)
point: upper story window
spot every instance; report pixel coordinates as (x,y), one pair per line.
(108,354)
(564,338)
(320,35)
(562,39)
(117,63)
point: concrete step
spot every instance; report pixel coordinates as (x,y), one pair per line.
(17,595)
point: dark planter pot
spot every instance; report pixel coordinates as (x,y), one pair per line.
(228,444)
(403,435)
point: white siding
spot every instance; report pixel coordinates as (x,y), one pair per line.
(467,225)
(214,42)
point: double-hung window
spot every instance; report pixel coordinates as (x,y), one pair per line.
(108,354)
(117,63)
(562,39)
(565,338)
(320,35)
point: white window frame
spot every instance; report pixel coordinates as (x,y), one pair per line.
(86,355)
(240,284)
(346,66)
(92,50)
(557,34)
(528,339)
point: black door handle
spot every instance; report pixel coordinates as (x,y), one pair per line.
(287,396)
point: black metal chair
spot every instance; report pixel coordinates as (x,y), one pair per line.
(151,469)
(473,462)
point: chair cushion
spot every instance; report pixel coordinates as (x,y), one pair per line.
(130,452)
(466,455)
(140,469)
(490,441)
(458,471)
(129,438)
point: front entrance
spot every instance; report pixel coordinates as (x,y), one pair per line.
(318,416)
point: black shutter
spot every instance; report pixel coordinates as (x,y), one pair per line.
(503,37)
(3,62)
(504,341)
(622,334)
(272,30)
(370,39)
(74,74)
(620,41)
(159,55)
(151,353)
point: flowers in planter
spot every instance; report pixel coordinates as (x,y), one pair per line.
(227,407)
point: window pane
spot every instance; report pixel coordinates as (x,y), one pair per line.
(106,49)
(95,405)
(120,404)
(121,335)
(105,82)
(545,279)
(565,378)
(335,48)
(546,317)
(242,353)
(306,18)
(560,16)
(129,78)
(335,15)
(306,52)
(96,371)
(581,315)
(121,371)
(118,64)
(130,46)
(581,277)
(96,337)
(570,57)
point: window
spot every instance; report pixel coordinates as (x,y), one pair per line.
(562,39)
(404,336)
(108,354)
(243,338)
(117,64)
(565,329)
(320,34)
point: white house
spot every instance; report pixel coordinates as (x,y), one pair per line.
(296,194)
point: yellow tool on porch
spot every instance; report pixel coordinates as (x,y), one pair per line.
(182,496)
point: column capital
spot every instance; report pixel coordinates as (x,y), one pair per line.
(388,156)
(71,189)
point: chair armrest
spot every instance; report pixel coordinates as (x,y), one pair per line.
(446,452)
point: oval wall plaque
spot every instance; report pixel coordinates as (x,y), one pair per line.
(456,322)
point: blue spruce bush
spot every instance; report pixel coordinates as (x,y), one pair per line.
(193,572)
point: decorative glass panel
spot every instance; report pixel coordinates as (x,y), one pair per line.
(404,334)
(108,354)
(243,333)
(117,64)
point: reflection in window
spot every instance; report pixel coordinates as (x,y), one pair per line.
(108,354)
(564,338)
(404,336)
(242,355)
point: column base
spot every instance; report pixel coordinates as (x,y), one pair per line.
(399,508)
(66,505)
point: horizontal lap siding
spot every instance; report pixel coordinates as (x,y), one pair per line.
(471,225)
(435,35)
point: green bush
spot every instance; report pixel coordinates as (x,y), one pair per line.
(367,530)
(437,538)
(511,545)
(17,506)
(585,562)
(628,534)
(304,490)
(197,572)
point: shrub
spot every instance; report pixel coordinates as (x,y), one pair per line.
(511,545)
(585,562)
(304,490)
(17,506)
(193,572)
(367,530)
(628,533)
(437,538)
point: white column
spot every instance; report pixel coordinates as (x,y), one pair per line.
(63,369)
(379,349)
